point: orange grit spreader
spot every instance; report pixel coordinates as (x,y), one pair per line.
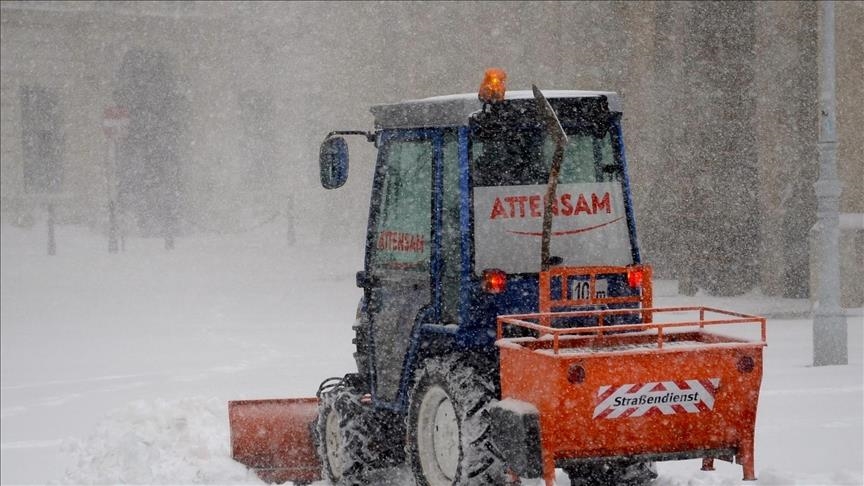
(687,391)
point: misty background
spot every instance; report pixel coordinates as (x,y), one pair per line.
(228,102)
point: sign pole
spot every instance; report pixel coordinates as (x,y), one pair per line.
(829,321)
(115,122)
(112,213)
(52,242)
(113,247)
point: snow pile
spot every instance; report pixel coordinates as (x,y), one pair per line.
(159,442)
(147,333)
(766,477)
(518,406)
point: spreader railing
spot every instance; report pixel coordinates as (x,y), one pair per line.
(524,321)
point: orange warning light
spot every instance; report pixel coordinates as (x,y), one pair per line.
(493,87)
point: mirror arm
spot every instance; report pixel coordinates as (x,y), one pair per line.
(370,136)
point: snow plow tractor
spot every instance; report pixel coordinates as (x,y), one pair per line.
(507,325)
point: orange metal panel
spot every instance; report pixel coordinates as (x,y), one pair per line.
(273,437)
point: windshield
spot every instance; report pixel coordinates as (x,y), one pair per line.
(510,170)
(524,156)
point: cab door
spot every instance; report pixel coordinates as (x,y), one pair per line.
(397,279)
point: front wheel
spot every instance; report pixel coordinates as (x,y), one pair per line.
(449,436)
(343,437)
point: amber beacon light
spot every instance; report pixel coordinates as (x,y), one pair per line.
(493,87)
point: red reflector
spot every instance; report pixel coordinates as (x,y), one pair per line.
(494,281)
(635,277)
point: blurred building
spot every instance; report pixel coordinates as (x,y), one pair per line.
(228,102)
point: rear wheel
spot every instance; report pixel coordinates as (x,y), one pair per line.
(449,440)
(622,473)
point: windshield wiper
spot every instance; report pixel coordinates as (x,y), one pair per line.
(556,132)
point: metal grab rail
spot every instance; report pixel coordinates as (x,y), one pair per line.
(519,320)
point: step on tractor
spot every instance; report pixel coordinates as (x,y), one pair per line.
(506,326)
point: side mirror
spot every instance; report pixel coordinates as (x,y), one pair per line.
(333,159)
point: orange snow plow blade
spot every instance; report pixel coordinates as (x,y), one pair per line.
(274,438)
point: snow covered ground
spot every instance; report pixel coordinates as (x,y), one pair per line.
(117,368)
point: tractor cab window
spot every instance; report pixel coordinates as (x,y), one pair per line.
(402,230)
(451,234)
(523,156)
(510,168)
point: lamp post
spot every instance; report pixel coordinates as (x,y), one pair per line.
(829,320)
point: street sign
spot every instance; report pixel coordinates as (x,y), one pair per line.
(115,122)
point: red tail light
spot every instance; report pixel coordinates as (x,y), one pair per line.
(494,281)
(635,277)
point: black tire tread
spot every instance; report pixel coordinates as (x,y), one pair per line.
(621,473)
(471,389)
(356,434)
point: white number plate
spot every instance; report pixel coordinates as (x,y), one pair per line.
(581,289)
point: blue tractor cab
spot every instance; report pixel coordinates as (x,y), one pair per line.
(454,232)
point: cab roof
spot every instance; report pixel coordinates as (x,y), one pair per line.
(454,110)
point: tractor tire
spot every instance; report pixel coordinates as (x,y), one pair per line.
(362,350)
(624,473)
(344,433)
(448,424)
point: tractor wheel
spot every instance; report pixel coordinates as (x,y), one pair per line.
(344,432)
(448,424)
(625,473)
(362,351)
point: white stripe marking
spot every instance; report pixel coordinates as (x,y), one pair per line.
(702,393)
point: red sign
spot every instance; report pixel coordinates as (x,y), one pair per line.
(115,120)
(398,241)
